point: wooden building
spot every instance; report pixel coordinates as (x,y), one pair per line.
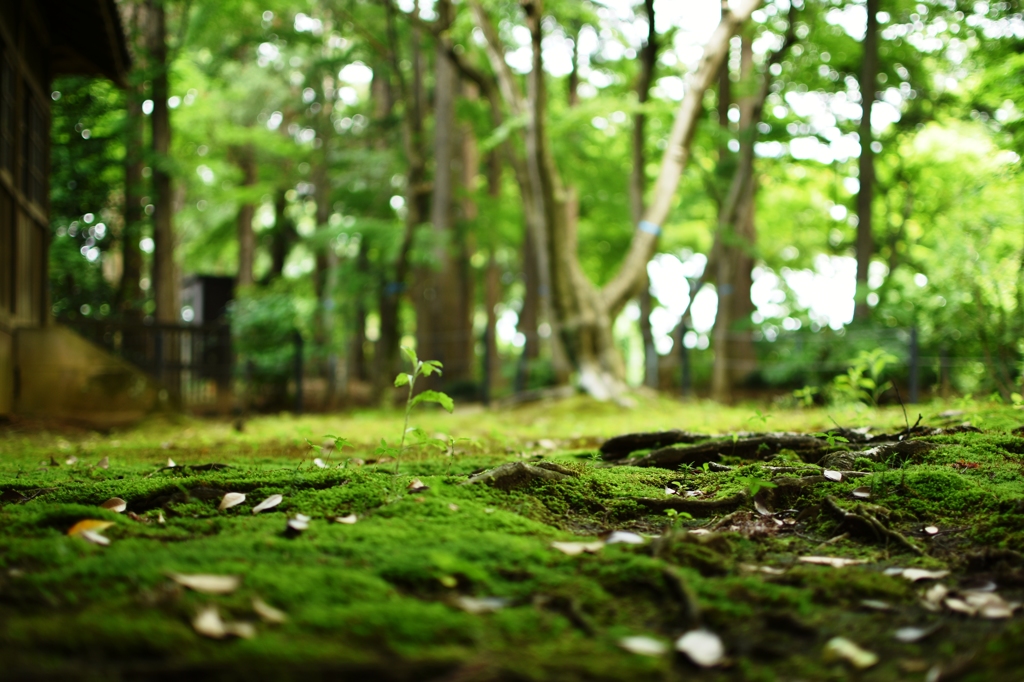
(40,39)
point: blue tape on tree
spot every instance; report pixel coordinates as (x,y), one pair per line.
(649,227)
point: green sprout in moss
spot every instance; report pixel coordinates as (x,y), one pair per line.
(420,368)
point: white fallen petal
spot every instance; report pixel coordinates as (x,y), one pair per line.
(94,537)
(268,503)
(832,475)
(668,491)
(833,561)
(71,461)
(208,623)
(416,485)
(299,522)
(576,548)
(320,463)
(761,509)
(862,493)
(115,504)
(704,647)
(936,593)
(1003,610)
(267,612)
(170,463)
(876,604)
(842,649)
(915,574)
(207,583)
(230,500)
(240,629)
(350,519)
(960,606)
(160,517)
(909,635)
(931,530)
(624,537)
(104,463)
(643,646)
(477,606)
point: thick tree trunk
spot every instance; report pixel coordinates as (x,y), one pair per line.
(417,204)
(865,195)
(282,238)
(165,285)
(246,160)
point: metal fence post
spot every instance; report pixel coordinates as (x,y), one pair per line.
(915,366)
(298,372)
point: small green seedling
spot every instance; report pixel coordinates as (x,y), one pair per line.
(675,515)
(755,484)
(832,438)
(763,418)
(420,368)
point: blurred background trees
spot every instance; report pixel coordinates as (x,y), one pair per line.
(472,178)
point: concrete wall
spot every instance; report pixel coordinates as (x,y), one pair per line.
(63,376)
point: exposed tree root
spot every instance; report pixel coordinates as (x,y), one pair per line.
(622,446)
(684,596)
(754,447)
(860,519)
(694,507)
(517,474)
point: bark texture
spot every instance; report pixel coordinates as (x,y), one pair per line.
(865,195)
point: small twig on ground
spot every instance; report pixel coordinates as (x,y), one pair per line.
(868,522)
(900,398)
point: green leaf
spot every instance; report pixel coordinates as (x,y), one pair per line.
(431,367)
(402,379)
(411,354)
(441,399)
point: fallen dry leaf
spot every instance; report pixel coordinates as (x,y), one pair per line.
(299,522)
(704,647)
(417,485)
(207,583)
(230,500)
(268,503)
(935,594)
(267,612)
(481,605)
(577,548)
(643,645)
(842,649)
(88,525)
(915,574)
(833,561)
(767,570)
(115,504)
(832,475)
(668,491)
(624,537)
(910,635)
(876,605)
(209,624)
(94,537)
(104,463)
(761,509)
(350,519)
(960,606)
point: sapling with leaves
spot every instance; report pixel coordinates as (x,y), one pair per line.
(420,368)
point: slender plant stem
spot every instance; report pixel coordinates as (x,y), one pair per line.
(405,429)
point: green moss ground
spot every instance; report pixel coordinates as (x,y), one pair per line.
(377,599)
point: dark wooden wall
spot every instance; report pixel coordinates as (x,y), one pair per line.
(24,171)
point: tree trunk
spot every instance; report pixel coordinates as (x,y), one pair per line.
(246,160)
(282,238)
(865,195)
(638,186)
(165,285)
(128,291)
(583,315)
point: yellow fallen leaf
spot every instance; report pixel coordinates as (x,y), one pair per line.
(89,525)
(206,583)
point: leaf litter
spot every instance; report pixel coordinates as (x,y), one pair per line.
(268,503)
(207,583)
(231,500)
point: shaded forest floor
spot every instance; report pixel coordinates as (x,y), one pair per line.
(429,577)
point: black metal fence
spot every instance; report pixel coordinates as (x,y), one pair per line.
(193,363)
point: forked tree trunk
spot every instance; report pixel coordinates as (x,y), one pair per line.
(583,313)
(865,195)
